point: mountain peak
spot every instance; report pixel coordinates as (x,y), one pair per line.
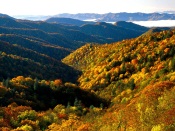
(6,16)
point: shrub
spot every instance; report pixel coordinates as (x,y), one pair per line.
(30,115)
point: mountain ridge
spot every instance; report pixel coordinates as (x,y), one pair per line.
(68,21)
(122,16)
(67,36)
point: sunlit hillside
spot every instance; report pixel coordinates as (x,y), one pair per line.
(136,75)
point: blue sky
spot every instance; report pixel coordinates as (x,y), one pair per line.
(53,7)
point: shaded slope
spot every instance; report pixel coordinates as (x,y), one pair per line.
(6,21)
(110,32)
(20,61)
(39,34)
(68,36)
(54,51)
(131,26)
(70,33)
(62,35)
(56,94)
(44,31)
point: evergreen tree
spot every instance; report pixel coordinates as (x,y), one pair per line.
(173,63)
(36,84)
(68,105)
(123,69)
(7,81)
(172,51)
(76,102)
(91,107)
(132,84)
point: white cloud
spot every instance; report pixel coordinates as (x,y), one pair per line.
(159,23)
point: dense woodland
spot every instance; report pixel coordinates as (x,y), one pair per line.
(127,85)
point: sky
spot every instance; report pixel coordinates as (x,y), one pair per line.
(53,7)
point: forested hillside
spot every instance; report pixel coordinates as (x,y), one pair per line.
(66,35)
(17,60)
(103,65)
(136,75)
(125,85)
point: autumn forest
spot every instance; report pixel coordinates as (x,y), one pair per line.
(81,76)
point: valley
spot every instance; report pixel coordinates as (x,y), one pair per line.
(66,74)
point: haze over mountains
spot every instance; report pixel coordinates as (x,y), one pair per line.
(110,17)
(113,17)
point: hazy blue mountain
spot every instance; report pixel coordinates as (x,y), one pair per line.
(123,16)
(5,15)
(107,17)
(169,12)
(11,22)
(32,17)
(80,16)
(114,32)
(68,21)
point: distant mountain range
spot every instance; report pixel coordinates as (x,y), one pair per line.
(113,17)
(110,17)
